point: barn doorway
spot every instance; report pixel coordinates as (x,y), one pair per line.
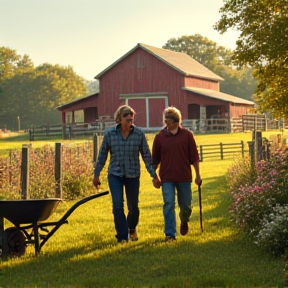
(193,111)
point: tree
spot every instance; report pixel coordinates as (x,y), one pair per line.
(8,62)
(11,64)
(219,60)
(262,44)
(34,93)
(201,49)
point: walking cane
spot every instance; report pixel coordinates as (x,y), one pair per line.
(200,205)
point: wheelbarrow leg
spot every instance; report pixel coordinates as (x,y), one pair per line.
(3,240)
(36,238)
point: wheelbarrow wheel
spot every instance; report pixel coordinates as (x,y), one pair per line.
(16,245)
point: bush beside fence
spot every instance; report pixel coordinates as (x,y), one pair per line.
(63,171)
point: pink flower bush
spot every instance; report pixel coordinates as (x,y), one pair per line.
(257,190)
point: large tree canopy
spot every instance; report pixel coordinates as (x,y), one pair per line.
(201,49)
(262,44)
(219,60)
(33,93)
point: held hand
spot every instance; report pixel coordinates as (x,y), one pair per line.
(156,182)
(96,182)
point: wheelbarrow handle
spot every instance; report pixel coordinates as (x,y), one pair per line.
(63,220)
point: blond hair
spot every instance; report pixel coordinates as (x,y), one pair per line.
(122,110)
(172,113)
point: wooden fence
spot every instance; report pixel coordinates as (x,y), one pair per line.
(23,176)
(225,125)
(69,131)
(221,150)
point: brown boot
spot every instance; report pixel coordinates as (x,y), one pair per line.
(184,228)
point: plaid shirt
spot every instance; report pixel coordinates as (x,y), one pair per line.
(124,153)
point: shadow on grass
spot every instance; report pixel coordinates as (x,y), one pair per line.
(228,262)
(221,256)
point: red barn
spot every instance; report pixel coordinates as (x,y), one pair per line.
(150,79)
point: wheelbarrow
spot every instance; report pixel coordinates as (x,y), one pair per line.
(28,217)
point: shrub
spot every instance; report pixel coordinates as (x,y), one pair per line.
(77,172)
(41,172)
(255,195)
(10,176)
(77,166)
(76,186)
(241,172)
(273,235)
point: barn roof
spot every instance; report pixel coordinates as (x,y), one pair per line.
(179,61)
(74,102)
(218,95)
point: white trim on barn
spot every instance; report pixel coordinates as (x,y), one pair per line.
(146,96)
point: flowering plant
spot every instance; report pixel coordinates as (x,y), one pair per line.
(273,235)
(257,191)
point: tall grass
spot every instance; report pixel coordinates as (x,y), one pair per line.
(84,253)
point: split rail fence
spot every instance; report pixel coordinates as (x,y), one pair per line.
(222,150)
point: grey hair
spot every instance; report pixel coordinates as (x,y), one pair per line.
(172,113)
(122,110)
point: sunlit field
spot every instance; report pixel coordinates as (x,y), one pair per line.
(84,253)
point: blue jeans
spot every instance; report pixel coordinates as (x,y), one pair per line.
(184,195)
(122,224)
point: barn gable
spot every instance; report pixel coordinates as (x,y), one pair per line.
(150,79)
(179,61)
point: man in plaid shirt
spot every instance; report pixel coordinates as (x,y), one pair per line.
(125,142)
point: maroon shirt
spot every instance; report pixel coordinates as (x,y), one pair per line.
(175,154)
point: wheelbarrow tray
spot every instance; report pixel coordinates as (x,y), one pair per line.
(28,211)
(31,213)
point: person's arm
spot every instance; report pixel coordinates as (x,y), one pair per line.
(194,159)
(156,161)
(146,156)
(198,179)
(102,157)
(156,155)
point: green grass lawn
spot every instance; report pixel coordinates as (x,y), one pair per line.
(84,253)
(17,141)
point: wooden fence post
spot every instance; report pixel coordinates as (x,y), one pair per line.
(242,148)
(201,153)
(95,147)
(268,151)
(221,151)
(25,172)
(64,132)
(251,145)
(258,140)
(58,186)
(31,133)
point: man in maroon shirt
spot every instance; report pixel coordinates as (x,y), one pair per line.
(175,150)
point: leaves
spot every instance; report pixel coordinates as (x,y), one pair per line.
(33,93)
(263,45)
(238,82)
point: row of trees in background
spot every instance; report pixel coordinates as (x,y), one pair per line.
(30,94)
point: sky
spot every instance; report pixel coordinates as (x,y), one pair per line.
(90,35)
